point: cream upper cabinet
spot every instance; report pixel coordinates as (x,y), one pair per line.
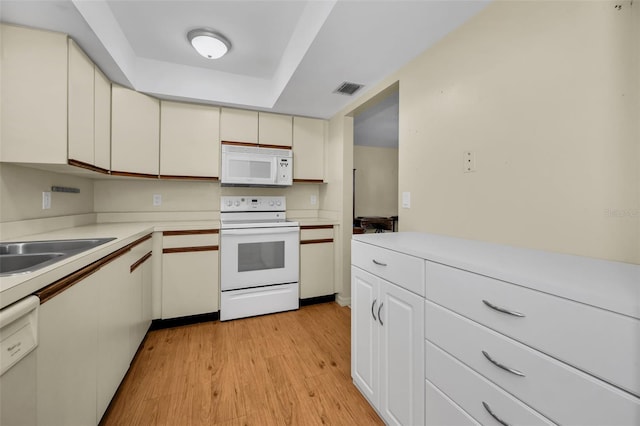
(237,125)
(102,120)
(274,129)
(189,140)
(34,96)
(81,105)
(89,111)
(135,132)
(308,148)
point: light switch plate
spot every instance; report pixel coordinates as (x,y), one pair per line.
(46,200)
(313,200)
(406,200)
(157,200)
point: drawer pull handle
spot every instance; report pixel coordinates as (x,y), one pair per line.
(372,308)
(379,263)
(380,316)
(504,367)
(503,310)
(502,422)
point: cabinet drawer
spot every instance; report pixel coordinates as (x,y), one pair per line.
(401,269)
(470,390)
(440,410)
(193,240)
(599,342)
(316,234)
(561,393)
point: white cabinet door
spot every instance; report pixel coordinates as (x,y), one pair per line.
(308,148)
(401,317)
(102,120)
(237,125)
(189,140)
(135,132)
(365,333)
(33,96)
(316,270)
(275,129)
(67,356)
(190,283)
(81,105)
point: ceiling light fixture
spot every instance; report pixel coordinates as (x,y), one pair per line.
(209,44)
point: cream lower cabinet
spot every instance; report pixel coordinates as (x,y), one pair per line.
(190,273)
(88,334)
(387,347)
(316,261)
(67,356)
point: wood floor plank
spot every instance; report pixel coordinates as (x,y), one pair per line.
(290,368)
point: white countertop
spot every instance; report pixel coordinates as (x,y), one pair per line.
(14,288)
(614,286)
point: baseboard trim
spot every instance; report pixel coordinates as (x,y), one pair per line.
(343,301)
(316,300)
(159,324)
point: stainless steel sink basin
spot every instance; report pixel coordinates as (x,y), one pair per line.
(18,263)
(29,256)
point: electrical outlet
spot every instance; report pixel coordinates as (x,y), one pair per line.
(157,200)
(314,200)
(46,200)
(469,161)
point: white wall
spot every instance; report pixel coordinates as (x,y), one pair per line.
(546,95)
(21,191)
(376,180)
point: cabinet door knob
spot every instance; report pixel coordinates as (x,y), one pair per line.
(379,316)
(503,310)
(372,309)
(502,422)
(379,263)
(504,367)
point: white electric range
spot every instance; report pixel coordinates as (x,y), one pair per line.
(259,257)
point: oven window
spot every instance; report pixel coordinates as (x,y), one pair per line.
(260,256)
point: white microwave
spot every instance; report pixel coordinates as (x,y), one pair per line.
(254,166)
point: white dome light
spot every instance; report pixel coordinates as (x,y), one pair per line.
(209,44)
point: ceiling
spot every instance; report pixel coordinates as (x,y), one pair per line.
(286,56)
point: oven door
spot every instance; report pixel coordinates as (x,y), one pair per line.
(259,256)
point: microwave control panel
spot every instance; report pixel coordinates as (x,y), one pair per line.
(284,170)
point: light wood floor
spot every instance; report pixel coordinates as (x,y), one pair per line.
(291,368)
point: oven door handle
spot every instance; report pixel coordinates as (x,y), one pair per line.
(260,231)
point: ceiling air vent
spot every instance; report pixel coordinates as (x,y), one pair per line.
(348,89)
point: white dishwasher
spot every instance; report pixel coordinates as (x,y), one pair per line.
(18,382)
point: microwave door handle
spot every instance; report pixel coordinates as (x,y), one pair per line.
(260,231)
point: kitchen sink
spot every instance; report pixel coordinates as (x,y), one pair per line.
(29,256)
(18,263)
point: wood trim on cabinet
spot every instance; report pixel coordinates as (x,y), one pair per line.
(190,232)
(316,227)
(47,293)
(189,249)
(177,177)
(87,166)
(318,241)
(308,181)
(139,262)
(131,174)
(255,145)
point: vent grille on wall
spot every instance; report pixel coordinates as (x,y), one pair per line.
(348,89)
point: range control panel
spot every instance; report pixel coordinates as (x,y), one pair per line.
(249,204)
